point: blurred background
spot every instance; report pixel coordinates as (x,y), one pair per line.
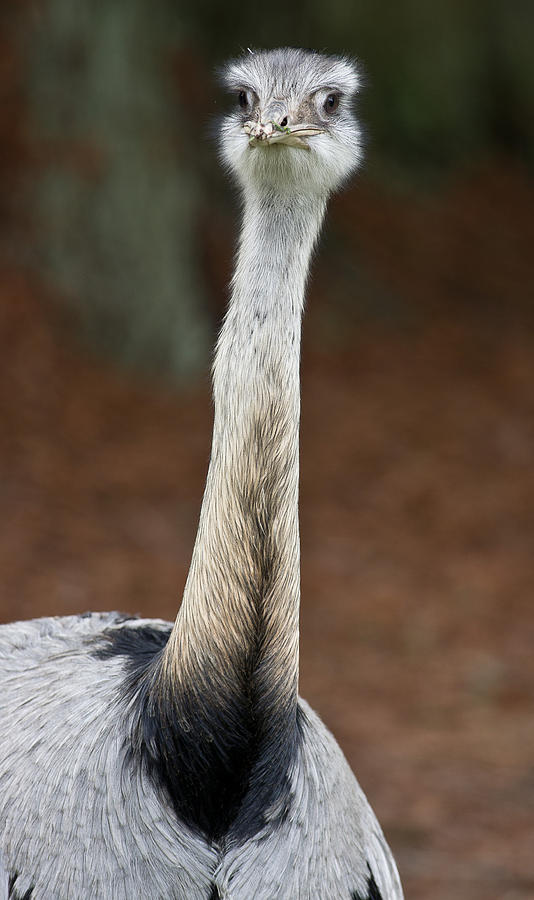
(117,230)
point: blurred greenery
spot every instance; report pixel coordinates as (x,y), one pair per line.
(119,92)
(116,197)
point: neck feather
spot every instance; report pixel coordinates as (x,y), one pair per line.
(238,623)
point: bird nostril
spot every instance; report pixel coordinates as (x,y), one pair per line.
(283,123)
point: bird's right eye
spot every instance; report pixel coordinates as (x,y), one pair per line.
(332,102)
(243,99)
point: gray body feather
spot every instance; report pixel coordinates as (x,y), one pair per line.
(79,821)
(149,760)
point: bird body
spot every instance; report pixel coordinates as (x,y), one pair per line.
(81,820)
(144,759)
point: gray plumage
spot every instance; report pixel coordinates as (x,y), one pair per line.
(149,760)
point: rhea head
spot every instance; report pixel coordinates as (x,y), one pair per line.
(293,126)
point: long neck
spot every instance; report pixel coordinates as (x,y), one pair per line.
(239,615)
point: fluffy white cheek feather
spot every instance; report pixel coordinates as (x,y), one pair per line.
(330,160)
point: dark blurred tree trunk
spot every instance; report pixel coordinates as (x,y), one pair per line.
(117,195)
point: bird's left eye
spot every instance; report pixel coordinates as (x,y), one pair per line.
(243,99)
(331,103)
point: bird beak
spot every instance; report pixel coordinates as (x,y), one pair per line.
(270,129)
(272,133)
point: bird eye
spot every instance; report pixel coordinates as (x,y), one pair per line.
(243,99)
(331,103)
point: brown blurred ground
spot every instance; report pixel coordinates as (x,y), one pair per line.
(417,513)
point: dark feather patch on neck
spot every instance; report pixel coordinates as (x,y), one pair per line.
(219,763)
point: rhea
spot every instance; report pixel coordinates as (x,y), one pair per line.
(140,759)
